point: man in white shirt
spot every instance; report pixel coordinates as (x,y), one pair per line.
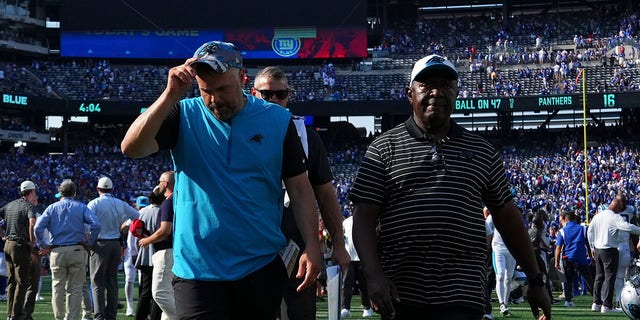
(504,264)
(354,273)
(625,249)
(604,236)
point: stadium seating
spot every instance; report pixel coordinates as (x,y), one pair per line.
(541,166)
(507,47)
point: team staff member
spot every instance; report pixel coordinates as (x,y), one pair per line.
(65,220)
(354,272)
(162,258)
(604,238)
(626,249)
(418,193)
(504,264)
(572,243)
(229,169)
(107,252)
(20,218)
(130,272)
(147,307)
(271,85)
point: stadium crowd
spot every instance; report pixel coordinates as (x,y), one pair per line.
(538,171)
(544,168)
(521,56)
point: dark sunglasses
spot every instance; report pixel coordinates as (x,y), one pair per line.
(268,94)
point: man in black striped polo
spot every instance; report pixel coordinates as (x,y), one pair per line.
(20,217)
(418,223)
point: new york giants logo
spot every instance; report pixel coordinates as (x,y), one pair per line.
(285,47)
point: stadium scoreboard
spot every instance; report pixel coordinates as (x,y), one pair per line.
(545,102)
(516,104)
(104,107)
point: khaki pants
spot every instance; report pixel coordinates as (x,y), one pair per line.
(68,273)
(18,256)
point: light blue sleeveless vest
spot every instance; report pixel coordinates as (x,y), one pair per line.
(228,191)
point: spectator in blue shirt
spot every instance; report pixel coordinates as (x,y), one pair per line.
(572,242)
(65,220)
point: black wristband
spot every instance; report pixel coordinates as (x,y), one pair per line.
(538,280)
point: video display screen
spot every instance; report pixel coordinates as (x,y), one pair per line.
(154,29)
(274,43)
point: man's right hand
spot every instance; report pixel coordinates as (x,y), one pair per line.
(86,247)
(382,293)
(180,79)
(45,251)
(309,268)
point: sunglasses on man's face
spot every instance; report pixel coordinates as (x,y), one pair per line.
(268,94)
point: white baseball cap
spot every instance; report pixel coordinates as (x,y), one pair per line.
(105,183)
(434,64)
(27,185)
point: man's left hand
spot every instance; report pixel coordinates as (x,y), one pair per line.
(144,242)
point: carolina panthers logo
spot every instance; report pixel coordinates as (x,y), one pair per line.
(436,59)
(256,138)
(286,47)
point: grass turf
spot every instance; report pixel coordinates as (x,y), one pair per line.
(582,311)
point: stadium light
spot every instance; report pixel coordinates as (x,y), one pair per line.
(52,24)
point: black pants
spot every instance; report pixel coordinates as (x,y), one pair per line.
(103,266)
(405,311)
(147,307)
(256,296)
(491,283)
(300,305)
(571,270)
(606,269)
(355,273)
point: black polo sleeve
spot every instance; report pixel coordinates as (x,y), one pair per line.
(167,136)
(319,167)
(294,161)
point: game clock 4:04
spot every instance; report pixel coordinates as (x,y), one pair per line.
(89,108)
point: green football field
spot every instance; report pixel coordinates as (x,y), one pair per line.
(582,310)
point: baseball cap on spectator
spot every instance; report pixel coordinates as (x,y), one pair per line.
(218,55)
(431,65)
(27,185)
(105,183)
(138,229)
(142,201)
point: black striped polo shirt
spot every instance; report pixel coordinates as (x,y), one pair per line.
(16,215)
(431,232)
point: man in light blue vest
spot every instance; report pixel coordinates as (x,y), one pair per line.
(231,152)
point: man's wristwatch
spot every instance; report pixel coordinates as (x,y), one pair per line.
(538,280)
